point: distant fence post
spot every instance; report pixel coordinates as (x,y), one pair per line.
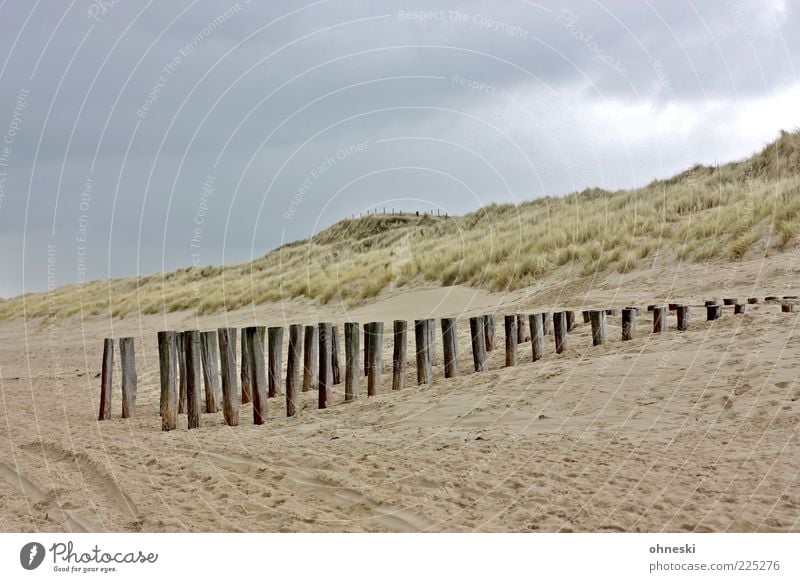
(244,368)
(399,354)
(628,323)
(325,383)
(598,320)
(352,370)
(738,308)
(191,343)
(254,341)
(423,355)
(227,358)
(659,319)
(560,331)
(537,335)
(209,351)
(105,379)
(168,366)
(337,374)
(127,360)
(375,353)
(683,314)
(275,347)
(309,357)
(293,366)
(450,347)
(512,339)
(478,343)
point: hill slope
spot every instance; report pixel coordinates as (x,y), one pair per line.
(743,209)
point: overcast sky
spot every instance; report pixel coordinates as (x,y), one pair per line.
(145,136)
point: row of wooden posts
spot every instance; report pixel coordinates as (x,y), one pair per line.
(188,360)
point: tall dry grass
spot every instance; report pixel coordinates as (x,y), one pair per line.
(728,213)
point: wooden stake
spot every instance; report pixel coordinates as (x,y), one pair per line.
(546,327)
(352,370)
(254,337)
(325,384)
(309,358)
(366,348)
(275,347)
(478,343)
(105,379)
(209,352)
(337,376)
(629,323)
(659,319)
(560,331)
(399,354)
(522,329)
(191,343)
(713,312)
(180,348)
(599,335)
(510,322)
(570,320)
(788,307)
(128,363)
(489,331)
(246,372)
(730,301)
(293,367)
(586,317)
(227,358)
(684,315)
(537,335)
(168,367)
(450,347)
(739,308)
(375,354)
(431,343)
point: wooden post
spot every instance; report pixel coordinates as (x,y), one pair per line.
(209,352)
(399,354)
(571,320)
(636,311)
(560,331)
(586,318)
(713,312)
(522,329)
(128,363)
(366,348)
(337,375)
(629,323)
(325,384)
(423,354)
(730,301)
(478,343)
(450,347)
(227,360)
(511,339)
(244,368)
(710,302)
(275,347)
(537,335)
(431,343)
(683,313)
(739,308)
(546,327)
(168,367)
(309,358)
(598,319)
(785,308)
(659,319)
(105,379)
(752,300)
(293,367)
(191,343)
(489,331)
(375,353)
(352,370)
(254,347)
(673,306)
(180,348)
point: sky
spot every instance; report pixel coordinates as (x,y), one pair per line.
(142,136)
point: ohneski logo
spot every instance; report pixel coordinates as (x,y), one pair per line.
(31,555)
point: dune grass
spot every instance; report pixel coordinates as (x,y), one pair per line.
(728,213)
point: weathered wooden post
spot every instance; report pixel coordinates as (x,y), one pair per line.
(399,354)
(366,348)
(254,347)
(478,343)
(168,367)
(128,363)
(730,301)
(787,307)
(450,347)
(683,313)
(293,367)
(209,352)
(309,358)
(739,308)
(191,343)
(352,370)
(245,372)
(659,319)
(105,379)
(180,350)
(752,300)
(537,335)
(586,317)
(598,320)
(489,331)
(560,331)
(629,323)
(423,354)
(431,343)
(375,353)
(570,320)
(227,359)
(325,384)
(275,347)
(337,375)
(546,327)
(522,329)
(713,312)
(511,339)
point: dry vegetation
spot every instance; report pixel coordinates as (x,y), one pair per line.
(742,209)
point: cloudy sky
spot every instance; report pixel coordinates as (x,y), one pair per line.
(143,136)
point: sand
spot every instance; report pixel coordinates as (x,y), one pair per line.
(694,431)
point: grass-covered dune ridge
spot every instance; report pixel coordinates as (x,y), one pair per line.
(743,209)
